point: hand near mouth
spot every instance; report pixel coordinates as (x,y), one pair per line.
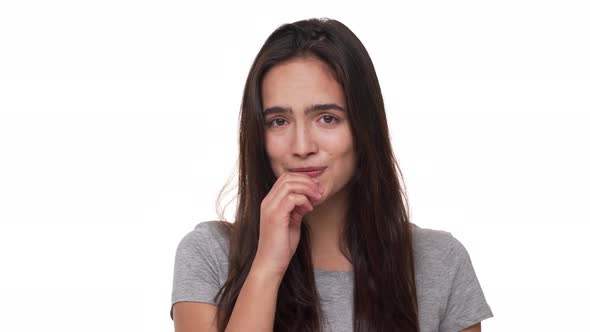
(281,212)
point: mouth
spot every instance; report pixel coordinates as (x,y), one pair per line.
(310,171)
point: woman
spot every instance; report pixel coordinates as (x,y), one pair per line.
(322,240)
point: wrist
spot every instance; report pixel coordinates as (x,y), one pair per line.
(264,275)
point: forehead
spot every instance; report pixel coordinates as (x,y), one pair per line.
(300,81)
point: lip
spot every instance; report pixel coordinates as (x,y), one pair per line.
(310,171)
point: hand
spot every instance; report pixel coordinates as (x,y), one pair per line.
(281,212)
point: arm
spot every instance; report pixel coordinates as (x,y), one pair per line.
(194,316)
(473,328)
(254,309)
(256,304)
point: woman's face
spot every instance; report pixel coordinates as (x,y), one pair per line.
(300,135)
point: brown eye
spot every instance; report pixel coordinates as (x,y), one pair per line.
(329,119)
(278,121)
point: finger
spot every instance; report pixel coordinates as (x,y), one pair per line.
(307,179)
(302,176)
(290,176)
(289,179)
(312,192)
(291,201)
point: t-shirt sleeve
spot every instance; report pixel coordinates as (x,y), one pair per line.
(466,304)
(196,276)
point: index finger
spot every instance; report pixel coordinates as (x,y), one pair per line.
(286,176)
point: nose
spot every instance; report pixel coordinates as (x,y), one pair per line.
(304,142)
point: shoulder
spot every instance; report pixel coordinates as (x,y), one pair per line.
(437,250)
(433,241)
(450,297)
(209,236)
(200,265)
(208,230)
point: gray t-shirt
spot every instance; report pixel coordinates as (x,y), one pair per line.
(450,297)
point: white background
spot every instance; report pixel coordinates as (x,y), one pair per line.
(118,128)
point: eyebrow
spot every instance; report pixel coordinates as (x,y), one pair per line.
(310,109)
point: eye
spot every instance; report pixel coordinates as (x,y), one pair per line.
(279,122)
(329,119)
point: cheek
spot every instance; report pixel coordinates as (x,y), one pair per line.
(275,151)
(348,161)
(272,149)
(343,146)
(347,157)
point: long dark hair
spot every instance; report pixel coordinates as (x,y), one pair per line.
(377,232)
